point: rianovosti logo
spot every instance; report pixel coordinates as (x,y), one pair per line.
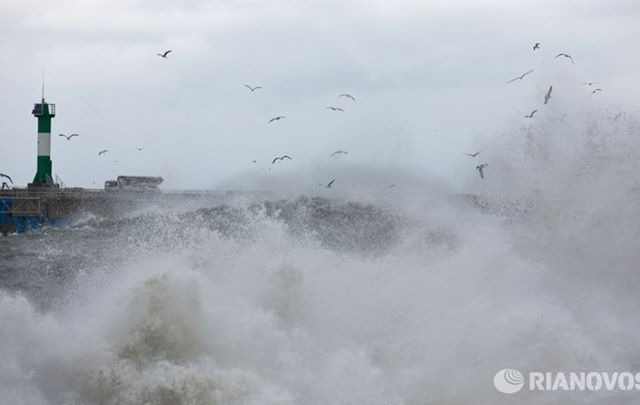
(510,381)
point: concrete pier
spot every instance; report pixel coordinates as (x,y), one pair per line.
(25,209)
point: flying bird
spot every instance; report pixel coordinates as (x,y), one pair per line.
(472,154)
(339,152)
(279,117)
(548,95)
(254,161)
(391,185)
(334,108)
(531,115)
(589,83)
(330,183)
(281,158)
(566,56)
(617,116)
(595,91)
(252,88)
(348,96)
(480,168)
(164,54)
(102,152)
(69,137)
(521,76)
(7,176)
(139,149)
(536,46)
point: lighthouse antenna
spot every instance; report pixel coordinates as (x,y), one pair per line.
(43,85)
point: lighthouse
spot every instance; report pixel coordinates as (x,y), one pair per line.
(44,112)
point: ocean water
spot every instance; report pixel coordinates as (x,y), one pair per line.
(406,295)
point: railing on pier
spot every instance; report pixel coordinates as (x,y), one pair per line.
(26,207)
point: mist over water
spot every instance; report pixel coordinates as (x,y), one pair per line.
(371,295)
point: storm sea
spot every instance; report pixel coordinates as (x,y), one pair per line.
(411,293)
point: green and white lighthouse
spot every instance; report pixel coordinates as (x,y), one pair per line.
(44,112)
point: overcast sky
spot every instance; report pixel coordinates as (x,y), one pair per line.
(429,78)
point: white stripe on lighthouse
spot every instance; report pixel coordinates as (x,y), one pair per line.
(44,144)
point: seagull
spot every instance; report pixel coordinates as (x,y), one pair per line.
(339,152)
(472,154)
(164,55)
(391,185)
(335,108)
(536,46)
(566,56)
(595,91)
(330,183)
(531,115)
(279,117)
(348,96)
(548,95)
(252,88)
(617,116)
(480,168)
(281,158)
(589,83)
(7,176)
(254,161)
(69,137)
(521,76)
(102,152)
(139,149)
